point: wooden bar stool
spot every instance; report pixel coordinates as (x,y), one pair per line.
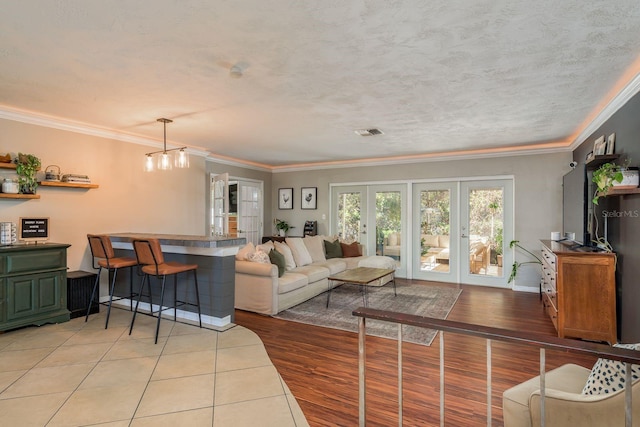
(102,250)
(150,257)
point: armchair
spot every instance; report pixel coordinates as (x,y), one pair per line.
(565,405)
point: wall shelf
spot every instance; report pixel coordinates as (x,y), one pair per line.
(19,196)
(622,191)
(67,184)
(7,165)
(599,160)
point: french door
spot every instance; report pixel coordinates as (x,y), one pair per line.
(237,202)
(374,216)
(461,231)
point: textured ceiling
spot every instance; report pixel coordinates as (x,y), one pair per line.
(435,76)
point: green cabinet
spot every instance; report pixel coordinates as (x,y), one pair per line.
(33,285)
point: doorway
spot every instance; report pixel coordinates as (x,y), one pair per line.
(460,230)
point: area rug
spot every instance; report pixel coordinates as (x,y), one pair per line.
(421,300)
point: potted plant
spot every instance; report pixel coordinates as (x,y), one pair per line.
(282,226)
(516,264)
(604,177)
(26,167)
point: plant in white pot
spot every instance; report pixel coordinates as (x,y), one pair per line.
(610,175)
(282,226)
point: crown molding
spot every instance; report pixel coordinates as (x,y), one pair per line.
(629,91)
(230,161)
(29,117)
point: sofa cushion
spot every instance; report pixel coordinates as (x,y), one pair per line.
(314,272)
(607,376)
(244,251)
(290,263)
(335,265)
(377,261)
(443,241)
(299,251)
(393,239)
(278,259)
(315,246)
(265,247)
(350,250)
(292,281)
(259,256)
(353,262)
(430,240)
(332,249)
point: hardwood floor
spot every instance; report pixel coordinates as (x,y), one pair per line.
(320,365)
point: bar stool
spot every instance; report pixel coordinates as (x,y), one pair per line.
(150,257)
(101,248)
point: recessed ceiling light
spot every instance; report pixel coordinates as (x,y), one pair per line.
(369,132)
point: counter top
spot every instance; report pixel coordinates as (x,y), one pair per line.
(568,247)
(31,246)
(181,240)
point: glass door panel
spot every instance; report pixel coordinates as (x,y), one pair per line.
(250,211)
(485,217)
(220,205)
(350,214)
(389,216)
(435,252)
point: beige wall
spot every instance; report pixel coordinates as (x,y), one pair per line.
(176,202)
(128,199)
(538,191)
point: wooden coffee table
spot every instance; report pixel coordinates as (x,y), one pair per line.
(362,276)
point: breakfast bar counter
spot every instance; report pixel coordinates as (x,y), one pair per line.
(215,257)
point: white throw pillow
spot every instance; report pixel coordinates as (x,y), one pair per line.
(607,376)
(265,247)
(299,250)
(288,256)
(245,251)
(315,247)
(259,256)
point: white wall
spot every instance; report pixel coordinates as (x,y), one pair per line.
(128,199)
(538,192)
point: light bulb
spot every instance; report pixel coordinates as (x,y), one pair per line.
(164,162)
(182,159)
(148,164)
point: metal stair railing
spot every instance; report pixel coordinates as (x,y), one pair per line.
(544,342)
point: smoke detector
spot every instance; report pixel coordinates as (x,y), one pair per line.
(369,132)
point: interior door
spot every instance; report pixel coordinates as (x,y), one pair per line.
(250,211)
(435,222)
(486,218)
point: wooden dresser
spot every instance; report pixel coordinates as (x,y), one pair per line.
(579,292)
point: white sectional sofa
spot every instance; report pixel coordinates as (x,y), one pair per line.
(260,290)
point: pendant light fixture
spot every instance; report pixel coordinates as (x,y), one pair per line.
(163,157)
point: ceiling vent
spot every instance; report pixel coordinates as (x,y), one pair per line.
(369,132)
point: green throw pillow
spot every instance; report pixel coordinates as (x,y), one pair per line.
(332,249)
(278,259)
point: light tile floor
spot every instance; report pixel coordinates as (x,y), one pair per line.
(79,374)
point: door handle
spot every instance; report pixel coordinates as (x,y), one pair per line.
(464,236)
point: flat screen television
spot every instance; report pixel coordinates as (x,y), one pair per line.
(34,229)
(574,208)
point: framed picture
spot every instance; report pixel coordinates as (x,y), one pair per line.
(285,198)
(309,197)
(599,147)
(611,142)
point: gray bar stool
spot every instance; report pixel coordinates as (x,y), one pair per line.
(102,250)
(150,257)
